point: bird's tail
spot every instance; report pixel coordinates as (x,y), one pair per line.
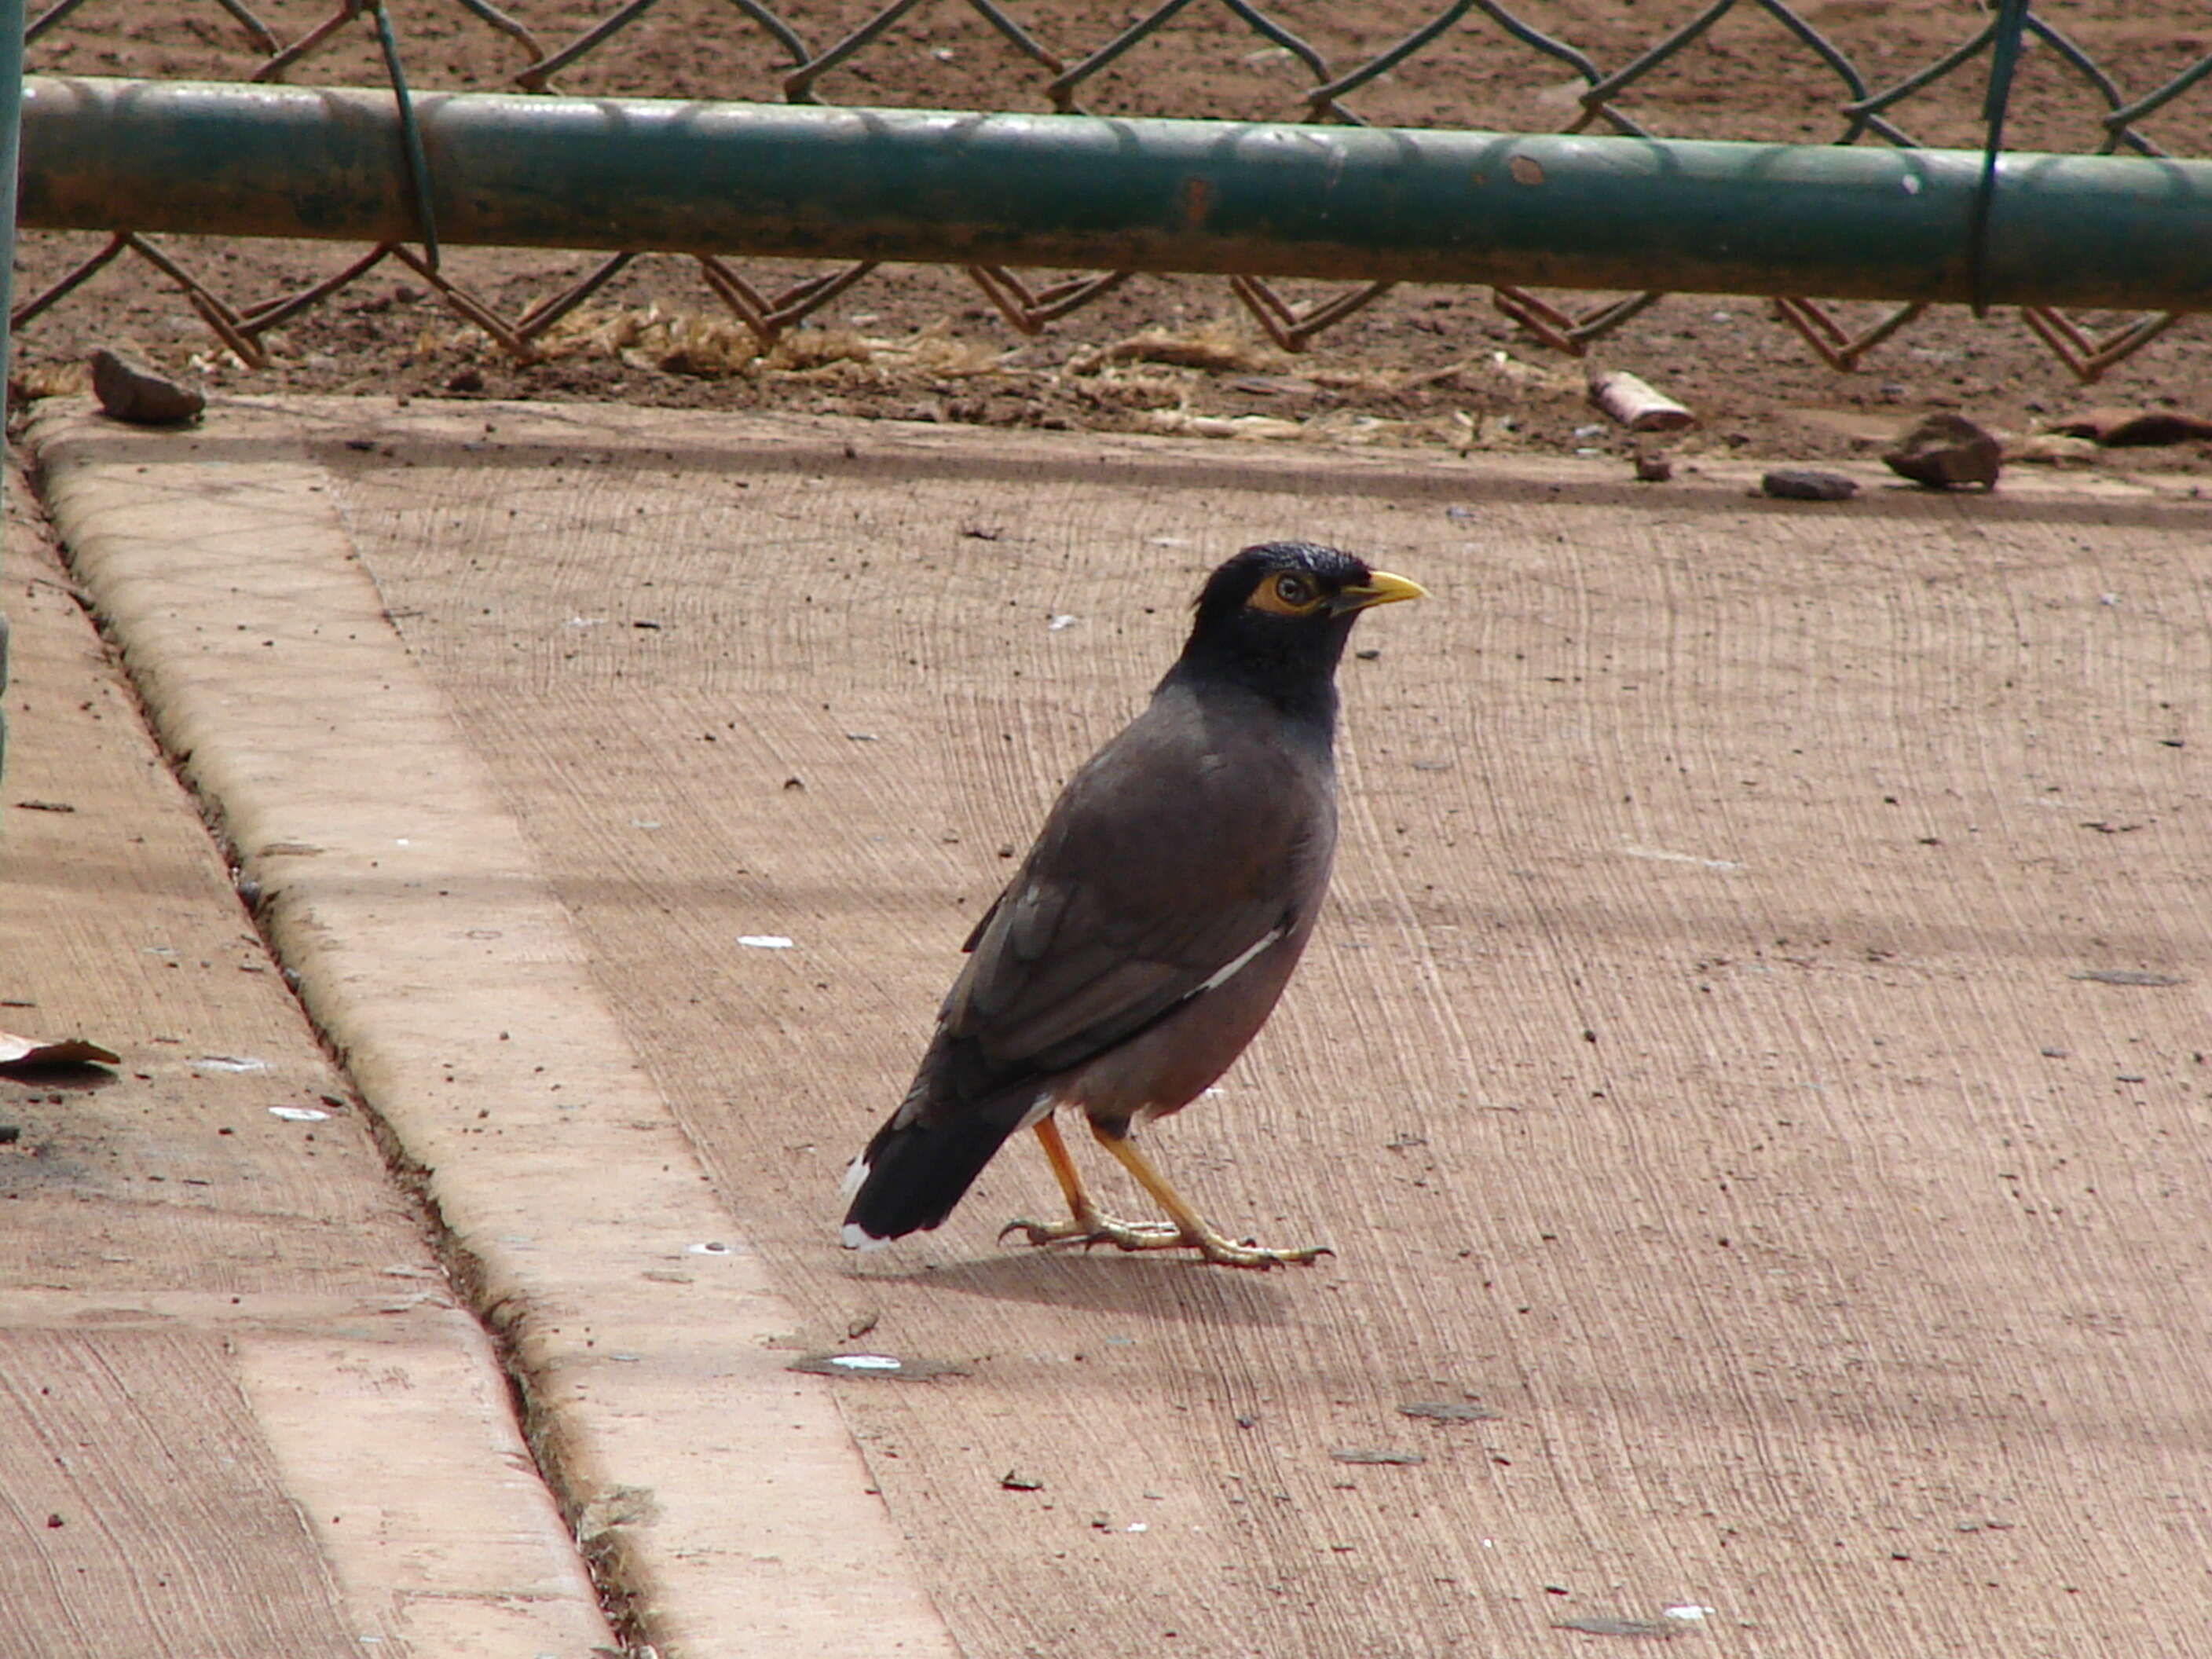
(912,1173)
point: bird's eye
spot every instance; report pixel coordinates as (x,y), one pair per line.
(1287,593)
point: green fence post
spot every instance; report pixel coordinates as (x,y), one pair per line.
(11,115)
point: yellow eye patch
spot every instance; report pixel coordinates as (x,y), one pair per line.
(1286,595)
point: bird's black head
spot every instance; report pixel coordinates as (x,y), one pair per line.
(1275,618)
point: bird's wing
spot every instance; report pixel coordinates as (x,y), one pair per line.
(1062,973)
(1122,913)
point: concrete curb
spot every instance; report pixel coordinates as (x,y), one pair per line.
(723,1490)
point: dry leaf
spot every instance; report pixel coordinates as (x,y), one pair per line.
(22,1053)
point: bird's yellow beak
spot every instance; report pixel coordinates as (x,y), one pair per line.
(1381,587)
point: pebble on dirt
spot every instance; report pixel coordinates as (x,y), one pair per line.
(1945,450)
(1799,484)
(131,392)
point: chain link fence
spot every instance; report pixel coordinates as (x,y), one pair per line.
(2081,78)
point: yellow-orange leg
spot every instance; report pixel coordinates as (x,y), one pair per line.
(1087,1225)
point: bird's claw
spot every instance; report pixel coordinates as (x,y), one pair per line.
(1095,1230)
(1092,1231)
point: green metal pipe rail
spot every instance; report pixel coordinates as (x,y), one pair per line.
(11,95)
(1066,191)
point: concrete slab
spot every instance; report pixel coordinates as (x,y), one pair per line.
(1755,1052)
(241,1411)
(720,1492)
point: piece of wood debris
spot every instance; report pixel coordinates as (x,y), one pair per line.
(2118,428)
(1635,404)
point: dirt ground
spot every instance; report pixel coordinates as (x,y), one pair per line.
(1426,366)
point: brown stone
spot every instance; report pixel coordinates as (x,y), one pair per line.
(131,392)
(1946,451)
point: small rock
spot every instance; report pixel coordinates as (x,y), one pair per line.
(131,392)
(1799,484)
(465,380)
(1450,1411)
(1606,1623)
(1944,451)
(1654,466)
(1375,1456)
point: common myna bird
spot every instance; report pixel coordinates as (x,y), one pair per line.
(1151,927)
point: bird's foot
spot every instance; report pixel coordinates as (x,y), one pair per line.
(1097,1228)
(1253,1253)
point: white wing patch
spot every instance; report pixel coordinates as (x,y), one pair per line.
(1222,976)
(1040,1109)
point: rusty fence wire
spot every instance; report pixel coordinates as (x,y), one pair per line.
(1839,71)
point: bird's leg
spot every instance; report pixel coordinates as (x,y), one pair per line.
(1087,1224)
(1190,1229)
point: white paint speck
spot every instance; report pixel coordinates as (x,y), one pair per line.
(1662,857)
(299,1114)
(764,941)
(1688,1611)
(230,1063)
(1911,184)
(1063,621)
(865,1362)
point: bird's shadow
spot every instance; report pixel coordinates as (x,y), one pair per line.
(1174,1289)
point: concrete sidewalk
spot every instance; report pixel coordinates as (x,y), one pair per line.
(242,1411)
(1751,1070)
(432,956)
